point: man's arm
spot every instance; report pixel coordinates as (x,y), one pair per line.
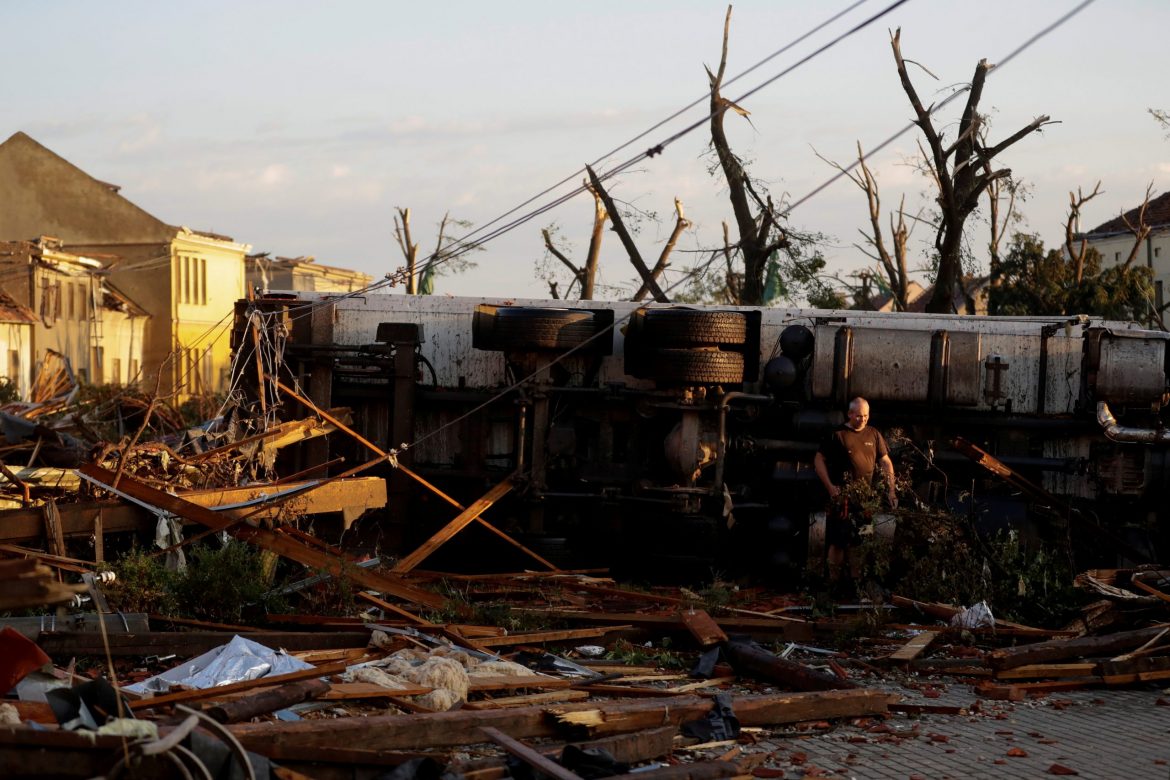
(823,473)
(888,470)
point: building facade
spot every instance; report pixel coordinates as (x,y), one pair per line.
(301,274)
(186,280)
(1115,241)
(77,311)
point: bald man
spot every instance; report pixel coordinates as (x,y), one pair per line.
(851,453)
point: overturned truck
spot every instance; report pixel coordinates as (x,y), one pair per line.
(679,438)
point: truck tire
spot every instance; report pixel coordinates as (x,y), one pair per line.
(692,328)
(697,366)
(529,328)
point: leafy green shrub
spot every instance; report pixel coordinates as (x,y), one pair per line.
(938,556)
(143,584)
(221,584)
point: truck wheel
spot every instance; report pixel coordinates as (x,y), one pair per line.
(528,328)
(697,366)
(691,328)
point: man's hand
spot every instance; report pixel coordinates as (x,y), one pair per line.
(834,491)
(893,496)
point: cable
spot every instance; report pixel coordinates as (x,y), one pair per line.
(1012,55)
(675,115)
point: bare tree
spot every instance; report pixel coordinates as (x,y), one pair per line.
(619,227)
(962,170)
(1137,227)
(761,232)
(681,223)
(892,264)
(584,276)
(446,257)
(408,247)
(1077,251)
(999,190)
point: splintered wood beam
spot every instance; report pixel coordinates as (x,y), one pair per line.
(91,518)
(541,763)
(203,694)
(915,647)
(266,539)
(540,637)
(705,630)
(444,534)
(381,453)
(1063,649)
(751,660)
(460,727)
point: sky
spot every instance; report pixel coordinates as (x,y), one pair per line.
(299,127)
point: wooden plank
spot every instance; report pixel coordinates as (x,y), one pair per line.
(461,521)
(915,647)
(53,532)
(540,637)
(702,627)
(203,694)
(496,683)
(1061,649)
(527,700)
(393,609)
(267,539)
(793,631)
(695,686)
(442,729)
(268,700)
(1021,691)
(187,643)
(1035,671)
(542,764)
(628,691)
(363,690)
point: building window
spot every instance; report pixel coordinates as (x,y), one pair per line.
(203,281)
(14,367)
(133,377)
(186,280)
(116,371)
(1117,257)
(1157,251)
(70,312)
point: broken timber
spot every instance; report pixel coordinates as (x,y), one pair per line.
(383,455)
(444,534)
(269,540)
(80,519)
(1062,649)
(750,660)
(460,727)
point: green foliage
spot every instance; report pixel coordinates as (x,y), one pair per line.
(143,584)
(938,556)
(1032,281)
(332,596)
(627,652)
(221,584)
(793,273)
(459,608)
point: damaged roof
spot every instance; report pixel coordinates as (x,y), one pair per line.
(1157,216)
(14,312)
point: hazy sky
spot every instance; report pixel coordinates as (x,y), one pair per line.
(298,127)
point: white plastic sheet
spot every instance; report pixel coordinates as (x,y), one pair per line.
(240,659)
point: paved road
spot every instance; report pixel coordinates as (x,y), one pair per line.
(1106,733)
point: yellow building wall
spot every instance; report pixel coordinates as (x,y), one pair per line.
(207,278)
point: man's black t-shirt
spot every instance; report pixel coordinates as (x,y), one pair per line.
(851,455)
